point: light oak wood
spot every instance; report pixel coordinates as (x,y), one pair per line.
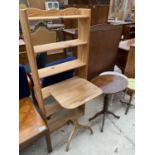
(77,93)
(58,45)
(71,93)
(30,122)
(28,41)
(62,117)
(22,46)
(57,17)
(69,13)
(32,60)
(34,12)
(43,36)
(53,70)
(52,108)
(47,36)
(83,35)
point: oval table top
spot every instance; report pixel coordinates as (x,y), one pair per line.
(111,82)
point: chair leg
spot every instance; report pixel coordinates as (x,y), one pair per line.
(128,105)
(48,141)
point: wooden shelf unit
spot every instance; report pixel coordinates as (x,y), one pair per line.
(80,64)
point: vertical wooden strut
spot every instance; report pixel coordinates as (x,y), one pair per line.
(32,59)
(83,51)
(83,35)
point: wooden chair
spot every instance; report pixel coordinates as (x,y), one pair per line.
(31,125)
(71,94)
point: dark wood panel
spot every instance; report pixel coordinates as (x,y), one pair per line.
(104,41)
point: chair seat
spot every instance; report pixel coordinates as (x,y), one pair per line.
(131,83)
(30,122)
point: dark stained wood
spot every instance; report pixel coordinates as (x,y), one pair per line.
(129,31)
(88,1)
(99,14)
(78,1)
(130,65)
(110,84)
(122,57)
(104,41)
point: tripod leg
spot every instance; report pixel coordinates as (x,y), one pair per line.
(85,127)
(70,138)
(109,112)
(99,113)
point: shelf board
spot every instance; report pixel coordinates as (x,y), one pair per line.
(56,69)
(58,17)
(58,45)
